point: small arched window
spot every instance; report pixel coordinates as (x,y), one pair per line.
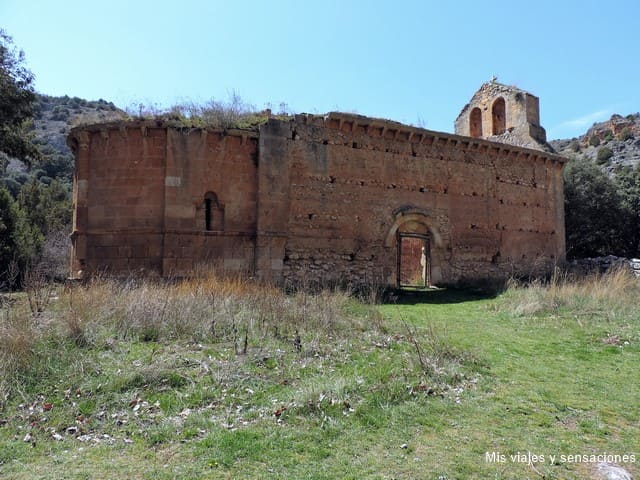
(213,212)
(475,123)
(498,116)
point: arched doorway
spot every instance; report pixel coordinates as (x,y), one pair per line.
(498,116)
(475,123)
(418,248)
(413,260)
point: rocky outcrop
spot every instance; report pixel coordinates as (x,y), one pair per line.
(614,143)
(607,471)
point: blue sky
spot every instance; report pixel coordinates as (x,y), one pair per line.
(414,61)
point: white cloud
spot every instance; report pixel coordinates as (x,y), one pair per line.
(579,125)
(585,120)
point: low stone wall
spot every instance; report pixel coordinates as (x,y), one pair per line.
(604,264)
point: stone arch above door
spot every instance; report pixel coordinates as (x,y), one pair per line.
(413,220)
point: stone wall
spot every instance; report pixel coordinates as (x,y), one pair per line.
(139,196)
(312,199)
(587,266)
(223,164)
(348,184)
(118,197)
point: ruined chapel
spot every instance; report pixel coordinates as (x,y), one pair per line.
(313,198)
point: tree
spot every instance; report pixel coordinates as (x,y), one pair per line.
(604,154)
(627,181)
(47,211)
(595,219)
(19,242)
(47,208)
(17,102)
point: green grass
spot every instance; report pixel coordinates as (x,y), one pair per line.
(419,389)
(555,384)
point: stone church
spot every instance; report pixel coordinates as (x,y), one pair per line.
(316,198)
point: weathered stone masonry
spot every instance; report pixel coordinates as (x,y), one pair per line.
(348,184)
(139,195)
(503,113)
(312,198)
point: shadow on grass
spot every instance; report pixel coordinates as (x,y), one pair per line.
(441,296)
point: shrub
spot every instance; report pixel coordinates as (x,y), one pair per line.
(4,161)
(60,117)
(594,141)
(608,136)
(19,241)
(12,186)
(58,166)
(627,182)
(625,134)
(604,154)
(234,113)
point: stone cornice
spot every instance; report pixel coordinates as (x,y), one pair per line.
(81,131)
(391,130)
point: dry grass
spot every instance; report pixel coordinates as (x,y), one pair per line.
(209,309)
(154,376)
(16,348)
(232,113)
(613,293)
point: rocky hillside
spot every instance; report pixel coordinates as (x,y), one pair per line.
(602,189)
(54,118)
(612,144)
(56,115)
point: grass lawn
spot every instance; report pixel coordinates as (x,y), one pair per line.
(440,385)
(557,384)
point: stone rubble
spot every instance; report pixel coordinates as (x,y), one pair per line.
(604,264)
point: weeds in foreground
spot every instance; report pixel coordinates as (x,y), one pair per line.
(140,394)
(231,315)
(206,361)
(612,294)
(204,309)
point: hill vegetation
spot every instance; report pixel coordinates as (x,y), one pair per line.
(37,190)
(618,138)
(602,189)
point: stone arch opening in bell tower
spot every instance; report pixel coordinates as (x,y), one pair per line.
(475,123)
(498,117)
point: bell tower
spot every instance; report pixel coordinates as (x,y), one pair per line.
(503,113)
